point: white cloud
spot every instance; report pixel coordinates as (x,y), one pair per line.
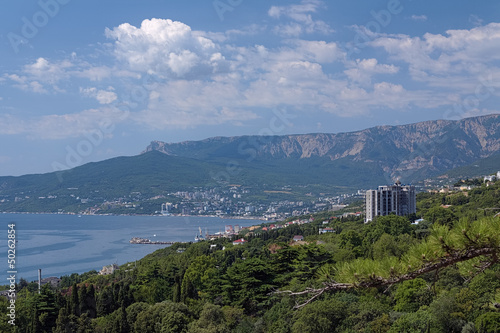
(475,20)
(421,18)
(289,30)
(97,73)
(24,83)
(295,83)
(106,97)
(231,34)
(363,70)
(37,87)
(44,71)
(204,78)
(455,62)
(102,96)
(386,95)
(470,51)
(166,48)
(302,21)
(318,51)
(44,76)
(476,112)
(291,75)
(53,127)
(187,104)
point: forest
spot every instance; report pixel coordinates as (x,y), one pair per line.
(436,271)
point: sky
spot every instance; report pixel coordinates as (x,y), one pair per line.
(85,81)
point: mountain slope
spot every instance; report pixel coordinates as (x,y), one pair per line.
(142,176)
(311,164)
(484,166)
(409,152)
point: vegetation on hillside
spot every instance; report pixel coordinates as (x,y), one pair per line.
(140,179)
(484,166)
(440,275)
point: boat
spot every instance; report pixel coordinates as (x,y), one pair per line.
(199,236)
(139,240)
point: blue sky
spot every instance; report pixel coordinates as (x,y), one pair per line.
(83,81)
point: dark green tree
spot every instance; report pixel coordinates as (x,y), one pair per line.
(488,322)
(320,316)
(105,303)
(441,216)
(412,294)
(75,301)
(47,310)
(64,324)
(248,283)
(212,320)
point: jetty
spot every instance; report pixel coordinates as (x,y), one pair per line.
(139,240)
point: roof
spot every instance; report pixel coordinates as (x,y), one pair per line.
(239,241)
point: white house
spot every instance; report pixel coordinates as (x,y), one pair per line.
(108,270)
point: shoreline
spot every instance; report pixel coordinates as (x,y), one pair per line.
(84,244)
(157,215)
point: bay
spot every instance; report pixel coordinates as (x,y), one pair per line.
(65,244)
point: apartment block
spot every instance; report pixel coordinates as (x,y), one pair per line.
(392,199)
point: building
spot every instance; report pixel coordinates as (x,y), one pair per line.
(298,238)
(393,199)
(490,178)
(54,281)
(326,230)
(108,270)
(239,241)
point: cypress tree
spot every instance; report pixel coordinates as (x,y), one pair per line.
(90,302)
(74,304)
(105,301)
(124,326)
(62,322)
(82,299)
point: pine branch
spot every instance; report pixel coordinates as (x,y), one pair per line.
(454,257)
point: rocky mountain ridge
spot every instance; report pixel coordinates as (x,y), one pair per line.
(408,152)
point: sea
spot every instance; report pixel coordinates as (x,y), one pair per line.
(61,244)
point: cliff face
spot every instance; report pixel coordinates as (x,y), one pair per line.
(408,152)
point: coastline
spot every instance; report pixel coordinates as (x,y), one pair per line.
(228,217)
(66,244)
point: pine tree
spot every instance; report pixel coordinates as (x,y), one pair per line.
(474,244)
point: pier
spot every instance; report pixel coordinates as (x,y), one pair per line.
(139,240)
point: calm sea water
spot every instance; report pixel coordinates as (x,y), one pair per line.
(65,244)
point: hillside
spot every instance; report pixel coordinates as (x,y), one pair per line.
(144,176)
(441,275)
(484,166)
(408,152)
(295,168)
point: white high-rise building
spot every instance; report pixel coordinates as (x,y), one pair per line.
(393,199)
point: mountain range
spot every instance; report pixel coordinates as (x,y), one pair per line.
(310,163)
(407,152)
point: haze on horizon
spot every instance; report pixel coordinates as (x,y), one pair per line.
(104,79)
